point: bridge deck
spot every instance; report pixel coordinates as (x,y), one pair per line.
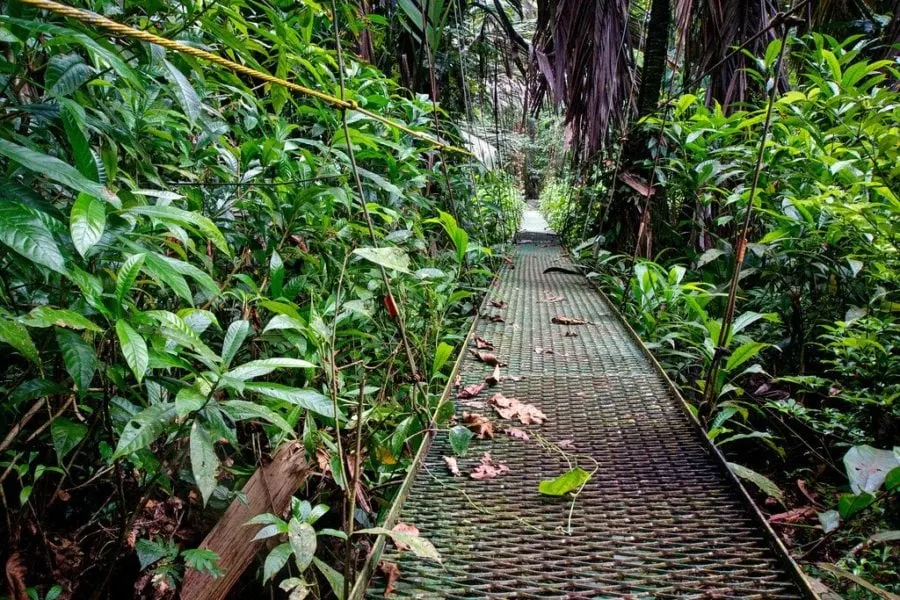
(659,517)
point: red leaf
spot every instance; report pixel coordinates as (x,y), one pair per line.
(512,408)
(479,425)
(390,306)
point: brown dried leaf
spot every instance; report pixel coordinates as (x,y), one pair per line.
(452,466)
(483,344)
(801,513)
(406,529)
(566,445)
(480,425)
(548,298)
(563,320)
(391,574)
(494,378)
(488,358)
(488,469)
(496,319)
(515,432)
(470,391)
(571,333)
(540,350)
(498,303)
(458,381)
(512,408)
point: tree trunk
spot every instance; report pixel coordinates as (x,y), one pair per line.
(626,220)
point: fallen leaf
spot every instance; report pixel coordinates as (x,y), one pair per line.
(458,381)
(565,483)
(498,303)
(480,425)
(792,516)
(470,391)
(488,469)
(562,320)
(407,530)
(515,432)
(539,350)
(548,298)
(571,334)
(452,466)
(494,378)
(15,577)
(566,445)
(488,358)
(483,344)
(391,574)
(496,319)
(512,408)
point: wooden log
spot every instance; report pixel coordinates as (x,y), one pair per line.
(269,490)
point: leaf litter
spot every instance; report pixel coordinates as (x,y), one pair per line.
(470,391)
(488,468)
(452,466)
(488,358)
(513,408)
(563,320)
(480,425)
(498,303)
(391,573)
(483,344)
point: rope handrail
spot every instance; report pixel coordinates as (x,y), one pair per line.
(121,30)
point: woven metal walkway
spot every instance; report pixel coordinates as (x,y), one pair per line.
(658,519)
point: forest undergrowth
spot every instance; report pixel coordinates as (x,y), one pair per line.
(807,400)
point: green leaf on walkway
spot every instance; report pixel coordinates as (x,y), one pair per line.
(460,437)
(569,481)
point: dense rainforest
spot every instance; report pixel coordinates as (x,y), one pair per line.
(239,231)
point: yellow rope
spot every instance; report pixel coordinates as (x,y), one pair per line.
(121,30)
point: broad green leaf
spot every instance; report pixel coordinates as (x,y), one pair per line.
(126,277)
(460,437)
(17,336)
(47,316)
(66,73)
(79,358)
(176,330)
(743,353)
(56,170)
(389,257)
(334,578)
(308,399)
(22,229)
(302,538)
(276,560)
(760,481)
(187,219)
(204,462)
(234,338)
(184,92)
(276,272)
(143,428)
(66,435)
(258,368)
(242,410)
(134,349)
(188,400)
(850,504)
(443,352)
(73,117)
(892,480)
(569,481)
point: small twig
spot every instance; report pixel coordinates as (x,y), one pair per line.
(348,559)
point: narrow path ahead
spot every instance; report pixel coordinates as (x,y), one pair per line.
(658,518)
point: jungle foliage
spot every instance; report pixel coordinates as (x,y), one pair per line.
(811,370)
(190,278)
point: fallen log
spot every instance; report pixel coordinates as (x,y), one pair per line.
(269,490)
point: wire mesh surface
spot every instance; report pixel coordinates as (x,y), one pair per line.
(658,519)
